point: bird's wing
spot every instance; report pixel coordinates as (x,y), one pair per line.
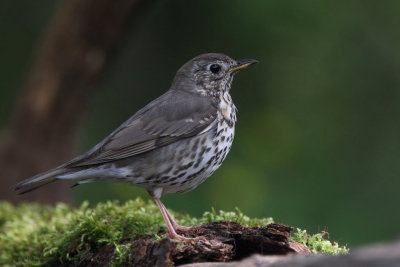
(171,117)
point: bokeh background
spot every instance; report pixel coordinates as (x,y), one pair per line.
(317,141)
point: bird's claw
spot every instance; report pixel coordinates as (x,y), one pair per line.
(187,239)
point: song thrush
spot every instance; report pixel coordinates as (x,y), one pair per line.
(172,144)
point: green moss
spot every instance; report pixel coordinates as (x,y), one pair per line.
(316,243)
(122,254)
(32,234)
(214,216)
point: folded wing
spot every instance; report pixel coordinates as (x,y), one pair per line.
(171,117)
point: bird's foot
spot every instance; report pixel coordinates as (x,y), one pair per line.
(187,239)
(183,229)
(173,226)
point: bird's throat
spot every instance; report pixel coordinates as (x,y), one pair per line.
(227,108)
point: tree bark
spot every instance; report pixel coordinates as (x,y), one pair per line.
(75,51)
(225,241)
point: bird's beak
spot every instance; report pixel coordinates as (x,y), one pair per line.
(242,64)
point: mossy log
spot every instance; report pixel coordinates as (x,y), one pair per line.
(133,234)
(226,241)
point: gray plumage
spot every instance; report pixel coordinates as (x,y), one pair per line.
(172,144)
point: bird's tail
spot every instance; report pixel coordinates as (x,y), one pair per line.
(39,180)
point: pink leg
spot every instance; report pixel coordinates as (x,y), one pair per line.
(171,231)
(176,226)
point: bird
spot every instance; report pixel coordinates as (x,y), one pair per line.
(171,145)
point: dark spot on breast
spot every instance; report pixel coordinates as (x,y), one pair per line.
(222,159)
(168,169)
(216,142)
(196,142)
(186,166)
(203,140)
(164,178)
(173,179)
(210,160)
(196,174)
(184,181)
(181,174)
(199,160)
(203,150)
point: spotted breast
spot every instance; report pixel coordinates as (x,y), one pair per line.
(207,152)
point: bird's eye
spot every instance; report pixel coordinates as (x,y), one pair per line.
(215,68)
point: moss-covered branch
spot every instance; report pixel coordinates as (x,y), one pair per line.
(32,234)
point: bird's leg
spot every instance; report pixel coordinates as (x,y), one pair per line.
(171,231)
(176,226)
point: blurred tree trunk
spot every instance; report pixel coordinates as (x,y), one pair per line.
(75,51)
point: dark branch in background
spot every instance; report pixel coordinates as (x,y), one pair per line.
(74,53)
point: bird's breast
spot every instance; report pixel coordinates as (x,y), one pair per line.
(227,109)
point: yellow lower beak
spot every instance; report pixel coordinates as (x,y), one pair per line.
(242,64)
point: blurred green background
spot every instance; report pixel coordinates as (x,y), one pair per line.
(317,141)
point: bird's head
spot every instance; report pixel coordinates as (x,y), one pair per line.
(209,74)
